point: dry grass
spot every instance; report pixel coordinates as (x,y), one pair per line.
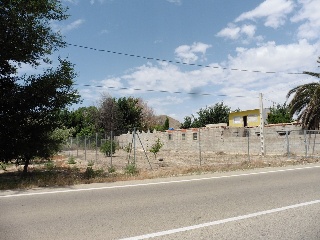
(59,173)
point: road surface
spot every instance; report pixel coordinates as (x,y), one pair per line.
(270,203)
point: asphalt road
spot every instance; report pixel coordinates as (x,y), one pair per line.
(282,203)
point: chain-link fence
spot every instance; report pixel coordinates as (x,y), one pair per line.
(197,146)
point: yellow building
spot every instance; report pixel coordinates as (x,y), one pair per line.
(249,118)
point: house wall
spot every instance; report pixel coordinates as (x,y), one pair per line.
(236,118)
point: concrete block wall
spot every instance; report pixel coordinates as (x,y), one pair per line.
(232,140)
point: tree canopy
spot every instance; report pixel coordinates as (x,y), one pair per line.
(305,102)
(30,105)
(219,113)
(279,114)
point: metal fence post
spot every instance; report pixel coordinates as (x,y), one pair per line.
(134,146)
(288,147)
(96,147)
(305,143)
(111,142)
(199,147)
(85,148)
(77,145)
(248,134)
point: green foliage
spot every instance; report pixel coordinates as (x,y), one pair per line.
(279,114)
(120,115)
(49,165)
(90,163)
(166,124)
(155,148)
(111,169)
(305,103)
(219,113)
(131,169)
(3,166)
(83,120)
(71,160)
(30,105)
(107,147)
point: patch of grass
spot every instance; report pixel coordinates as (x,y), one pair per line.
(131,169)
(71,160)
(49,165)
(90,163)
(111,169)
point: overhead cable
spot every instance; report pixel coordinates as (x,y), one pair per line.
(180,62)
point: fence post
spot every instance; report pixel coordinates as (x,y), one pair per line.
(199,147)
(248,134)
(85,148)
(96,147)
(305,143)
(111,142)
(134,146)
(77,145)
(288,145)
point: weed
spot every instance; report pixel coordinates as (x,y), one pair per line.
(71,160)
(91,173)
(131,169)
(111,169)
(49,165)
(3,166)
(90,163)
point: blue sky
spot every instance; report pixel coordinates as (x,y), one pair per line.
(218,36)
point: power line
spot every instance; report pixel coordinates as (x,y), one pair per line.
(161,91)
(180,62)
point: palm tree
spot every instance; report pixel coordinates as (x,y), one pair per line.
(306,102)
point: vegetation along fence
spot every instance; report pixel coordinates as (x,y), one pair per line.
(197,146)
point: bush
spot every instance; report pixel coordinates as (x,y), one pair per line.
(106,148)
(131,169)
(71,160)
(155,148)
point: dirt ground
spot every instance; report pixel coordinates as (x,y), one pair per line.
(172,159)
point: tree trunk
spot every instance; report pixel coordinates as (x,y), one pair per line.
(26,164)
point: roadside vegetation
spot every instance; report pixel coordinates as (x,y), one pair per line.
(60,173)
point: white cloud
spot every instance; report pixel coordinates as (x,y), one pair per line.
(309,15)
(274,11)
(94,1)
(234,32)
(66,28)
(189,54)
(177,2)
(72,1)
(231,32)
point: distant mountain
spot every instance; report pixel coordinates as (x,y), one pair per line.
(173,123)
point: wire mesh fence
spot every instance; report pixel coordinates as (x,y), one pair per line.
(196,147)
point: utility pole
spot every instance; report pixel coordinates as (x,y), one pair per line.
(262,146)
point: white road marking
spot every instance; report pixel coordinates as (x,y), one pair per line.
(156,183)
(232,219)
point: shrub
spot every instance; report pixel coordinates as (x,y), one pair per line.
(155,148)
(71,160)
(131,169)
(106,148)
(111,169)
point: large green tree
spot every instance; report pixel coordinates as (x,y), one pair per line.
(30,105)
(279,114)
(306,102)
(218,113)
(120,115)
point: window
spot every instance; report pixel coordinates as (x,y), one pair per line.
(170,136)
(183,136)
(236,120)
(195,136)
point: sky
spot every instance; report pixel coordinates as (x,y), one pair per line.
(183,55)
